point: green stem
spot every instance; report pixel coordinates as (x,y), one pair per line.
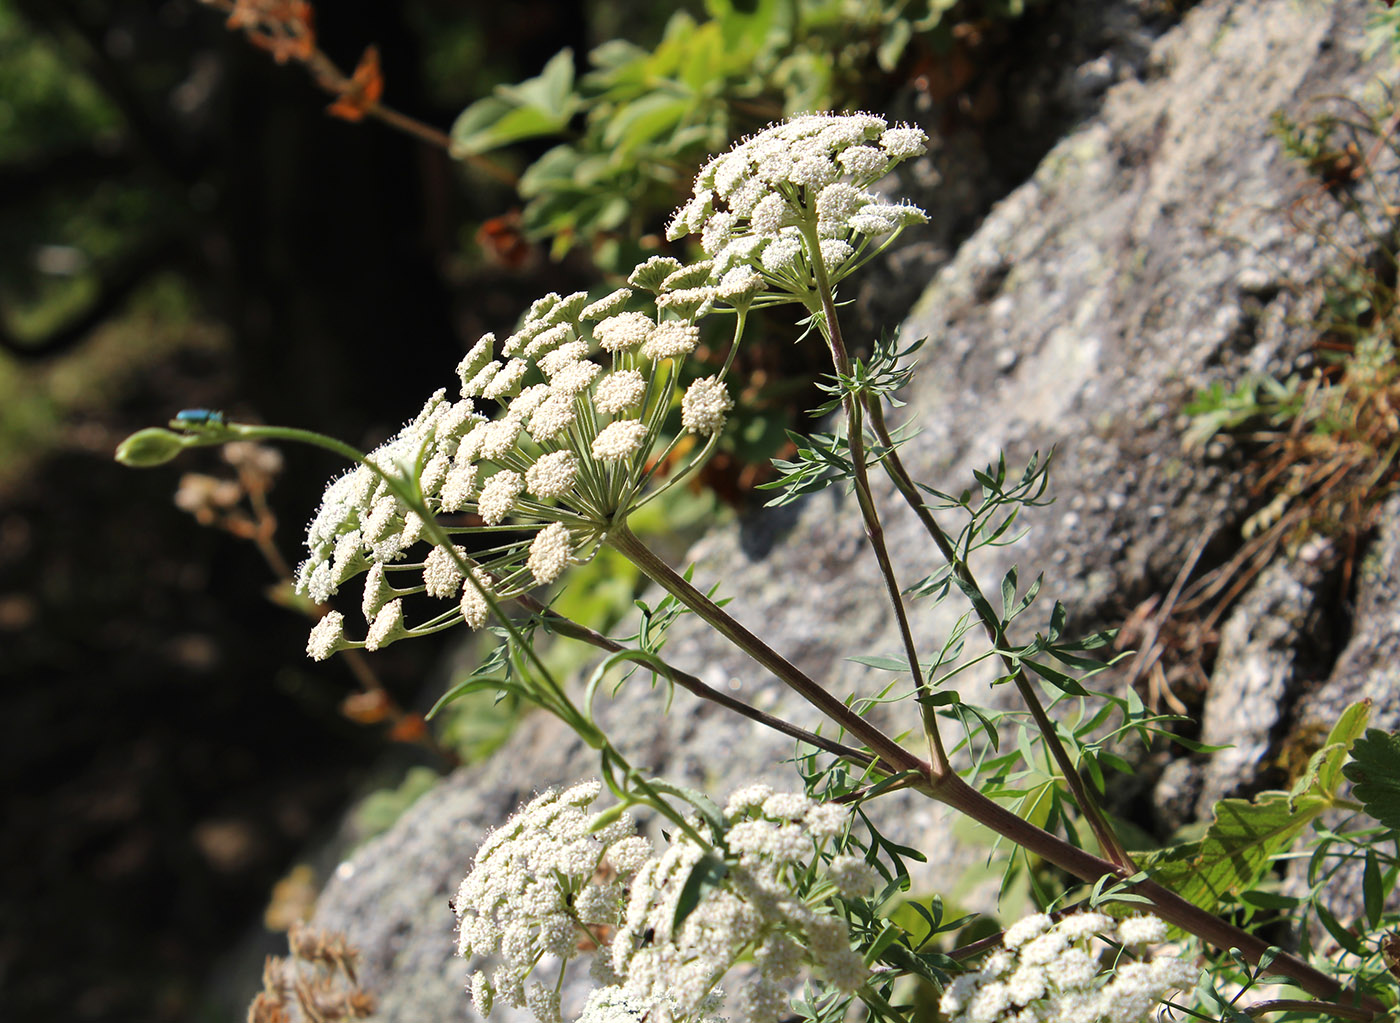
(951,790)
(1088,805)
(568,627)
(893,758)
(874,531)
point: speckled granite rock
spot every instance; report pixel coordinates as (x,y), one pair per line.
(1369,666)
(1149,253)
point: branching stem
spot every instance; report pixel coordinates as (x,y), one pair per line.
(1088,805)
(874,531)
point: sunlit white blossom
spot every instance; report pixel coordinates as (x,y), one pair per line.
(549,553)
(618,440)
(327,637)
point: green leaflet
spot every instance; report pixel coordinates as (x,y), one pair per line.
(1241,842)
(1374,769)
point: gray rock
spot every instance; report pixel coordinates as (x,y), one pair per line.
(1257,674)
(1149,253)
(1369,665)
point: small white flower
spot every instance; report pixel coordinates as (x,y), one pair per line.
(441,577)
(506,381)
(826,820)
(739,283)
(903,142)
(481,992)
(749,797)
(852,876)
(530,399)
(498,438)
(650,274)
(565,355)
(458,487)
(479,383)
(618,391)
(474,608)
(770,215)
(835,252)
(1025,929)
(671,339)
(607,305)
(554,415)
(475,359)
(377,592)
(552,475)
(387,627)
(575,378)
(549,553)
(781,255)
(619,440)
(498,496)
(864,163)
(567,309)
(786,806)
(705,406)
(623,331)
(839,201)
(1142,930)
(548,340)
(327,637)
(628,854)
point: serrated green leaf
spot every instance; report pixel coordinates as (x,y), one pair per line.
(1323,773)
(1374,769)
(1237,848)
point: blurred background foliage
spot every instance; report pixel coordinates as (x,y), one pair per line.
(182,225)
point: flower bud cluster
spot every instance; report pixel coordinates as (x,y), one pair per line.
(546,879)
(550,879)
(772,838)
(546,444)
(757,207)
(1049,972)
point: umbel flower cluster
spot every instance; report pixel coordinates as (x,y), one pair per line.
(551,436)
(762,205)
(555,879)
(1052,973)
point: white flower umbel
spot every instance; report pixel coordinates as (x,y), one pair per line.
(765,201)
(751,908)
(705,406)
(543,885)
(572,405)
(1064,973)
(555,880)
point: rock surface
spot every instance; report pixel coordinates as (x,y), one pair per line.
(1150,253)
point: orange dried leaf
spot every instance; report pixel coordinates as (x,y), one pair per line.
(359,95)
(366,708)
(409,728)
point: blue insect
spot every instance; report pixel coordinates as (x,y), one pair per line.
(198,417)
